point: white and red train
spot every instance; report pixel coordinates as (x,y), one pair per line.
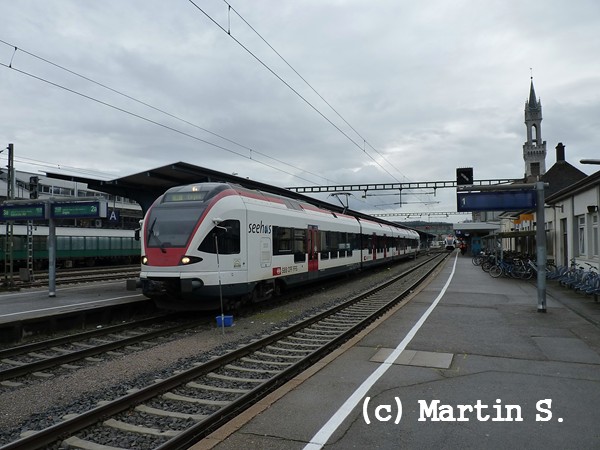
(208,241)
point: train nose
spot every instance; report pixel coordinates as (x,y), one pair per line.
(189,284)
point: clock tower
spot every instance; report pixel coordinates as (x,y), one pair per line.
(534,149)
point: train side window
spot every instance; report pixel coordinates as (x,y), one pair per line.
(228,239)
(40,243)
(367,242)
(91,243)
(103,243)
(115,243)
(63,242)
(325,244)
(282,240)
(299,248)
(77,243)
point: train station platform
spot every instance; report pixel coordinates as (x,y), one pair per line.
(484,369)
(31,310)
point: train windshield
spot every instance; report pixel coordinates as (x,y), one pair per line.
(172,225)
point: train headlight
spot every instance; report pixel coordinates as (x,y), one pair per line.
(144,260)
(185,260)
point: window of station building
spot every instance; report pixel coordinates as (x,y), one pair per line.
(595,237)
(228,239)
(63,191)
(579,235)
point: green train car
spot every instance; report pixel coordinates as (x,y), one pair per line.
(74,247)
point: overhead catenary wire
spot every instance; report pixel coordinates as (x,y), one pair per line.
(365,142)
(168,127)
(356,144)
(231,8)
(251,150)
(84,171)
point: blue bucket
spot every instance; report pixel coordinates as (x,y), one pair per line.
(226,321)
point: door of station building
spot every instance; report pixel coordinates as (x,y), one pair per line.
(313,248)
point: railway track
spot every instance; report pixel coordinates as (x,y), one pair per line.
(41,359)
(177,411)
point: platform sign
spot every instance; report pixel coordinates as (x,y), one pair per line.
(23,212)
(495,201)
(78,210)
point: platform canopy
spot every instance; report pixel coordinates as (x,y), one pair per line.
(145,187)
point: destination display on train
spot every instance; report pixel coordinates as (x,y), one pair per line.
(194,196)
(23,212)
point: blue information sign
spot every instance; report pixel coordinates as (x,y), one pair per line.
(495,201)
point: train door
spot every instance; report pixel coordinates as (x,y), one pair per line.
(313,249)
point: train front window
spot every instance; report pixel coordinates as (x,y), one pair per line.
(172,226)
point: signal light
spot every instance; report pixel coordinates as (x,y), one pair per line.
(34,187)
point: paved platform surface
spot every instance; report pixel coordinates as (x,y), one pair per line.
(35,303)
(483,344)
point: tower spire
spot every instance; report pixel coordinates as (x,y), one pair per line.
(534,149)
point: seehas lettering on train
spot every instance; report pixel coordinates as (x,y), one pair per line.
(259,228)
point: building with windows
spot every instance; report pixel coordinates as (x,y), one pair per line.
(572,222)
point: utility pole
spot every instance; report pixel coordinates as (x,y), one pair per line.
(8,242)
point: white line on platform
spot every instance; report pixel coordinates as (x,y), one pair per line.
(323,435)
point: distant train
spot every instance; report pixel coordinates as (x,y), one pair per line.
(450,243)
(210,240)
(74,246)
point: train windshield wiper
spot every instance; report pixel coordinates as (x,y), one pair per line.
(151,234)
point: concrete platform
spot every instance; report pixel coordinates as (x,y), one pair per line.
(32,310)
(537,374)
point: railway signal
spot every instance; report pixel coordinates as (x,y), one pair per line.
(34,187)
(464,176)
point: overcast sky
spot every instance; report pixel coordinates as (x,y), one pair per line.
(420,88)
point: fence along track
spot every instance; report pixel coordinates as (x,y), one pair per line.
(204,397)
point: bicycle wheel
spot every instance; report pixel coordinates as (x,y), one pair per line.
(495,271)
(519,272)
(477,260)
